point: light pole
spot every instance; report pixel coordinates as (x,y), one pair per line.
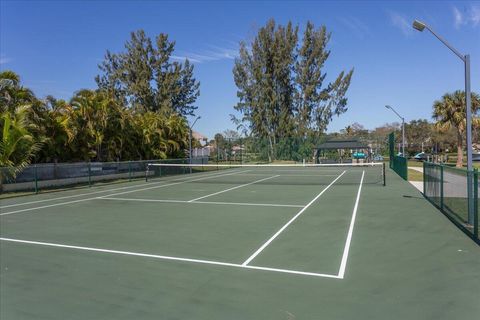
(190,141)
(403,128)
(420,26)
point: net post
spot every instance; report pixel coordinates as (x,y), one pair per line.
(441,187)
(384,174)
(36,178)
(89,173)
(146,172)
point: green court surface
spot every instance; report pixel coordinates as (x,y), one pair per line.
(237,244)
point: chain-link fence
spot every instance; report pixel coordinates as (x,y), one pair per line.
(265,150)
(455,192)
(55,176)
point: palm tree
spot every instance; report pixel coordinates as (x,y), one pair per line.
(91,110)
(12,94)
(17,145)
(450,112)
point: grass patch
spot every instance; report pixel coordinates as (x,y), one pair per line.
(414,163)
(414,175)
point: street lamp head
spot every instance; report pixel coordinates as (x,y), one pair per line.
(388,107)
(418,25)
(194,121)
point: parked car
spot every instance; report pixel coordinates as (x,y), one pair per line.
(476,156)
(378,158)
(421,156)
(359,155)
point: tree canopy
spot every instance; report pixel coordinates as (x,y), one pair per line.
(450,113)
(282,88)
(145,79)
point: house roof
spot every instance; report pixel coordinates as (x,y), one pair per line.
(198,136)
(342,144)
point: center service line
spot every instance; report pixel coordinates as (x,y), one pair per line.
(289,222)
(343,264)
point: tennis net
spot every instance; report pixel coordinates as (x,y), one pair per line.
(274,174)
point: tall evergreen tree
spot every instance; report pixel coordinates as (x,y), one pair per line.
(280,83)
(315,103)
(144,77)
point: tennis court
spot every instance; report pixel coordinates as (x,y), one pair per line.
(240,242)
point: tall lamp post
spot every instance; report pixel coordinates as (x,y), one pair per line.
(190,141)
(403,128)
(420,26)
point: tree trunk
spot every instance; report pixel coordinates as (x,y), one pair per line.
(459,149)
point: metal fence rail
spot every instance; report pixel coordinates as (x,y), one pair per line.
(448,189)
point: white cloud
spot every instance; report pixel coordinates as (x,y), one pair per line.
(4,59)
(458,19)
(214,53)
(183,58)
(469,16)
(360,29)
(401,23)
(475,15)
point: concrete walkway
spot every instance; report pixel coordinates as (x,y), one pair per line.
(418,185)
(419,169)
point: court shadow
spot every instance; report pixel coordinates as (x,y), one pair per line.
(413,197)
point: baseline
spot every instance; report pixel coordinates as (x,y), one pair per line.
(146,255)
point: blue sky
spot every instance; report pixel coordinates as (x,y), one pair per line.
(56,46)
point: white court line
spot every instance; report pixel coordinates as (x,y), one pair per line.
(289,222)
(207,202)
(82,194)
(233,188)
(146,255)
(289,174)
(343,264)
(175,183)
(269,165)
(119,193)
(73,196)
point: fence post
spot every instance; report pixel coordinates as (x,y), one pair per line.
(441,187)
(130,170)
(36,177)
(475,203)
(424,176)
(89,174)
